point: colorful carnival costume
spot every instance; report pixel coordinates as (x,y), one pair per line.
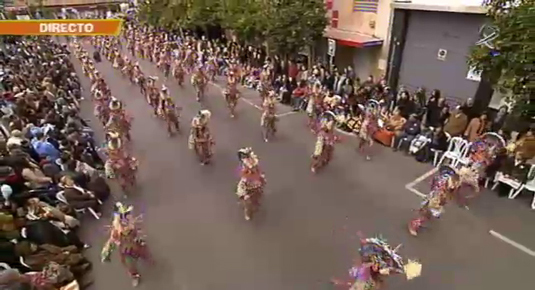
(120,164)
(482,154)
(170,112)
(443,188)
(378,260)
(268,120)
(367,130)
(231,94)
(199,80)
(126,237)
(324,148)
(200,138)
(119,122)
(252,181)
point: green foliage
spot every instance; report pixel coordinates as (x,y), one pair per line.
(286,26)
(510,65)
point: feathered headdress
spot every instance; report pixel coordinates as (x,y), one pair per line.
(202,118)
(327,120)
(115,104)
(114,141)
(248,157)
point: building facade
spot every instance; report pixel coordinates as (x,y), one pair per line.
(429,48)
(360,29)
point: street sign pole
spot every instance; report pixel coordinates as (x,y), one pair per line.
(331,51)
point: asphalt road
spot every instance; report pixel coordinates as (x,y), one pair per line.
(305,233)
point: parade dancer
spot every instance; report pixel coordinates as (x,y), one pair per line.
(170,112)
(232,94)
(199,80)
(269,117)
(200,138)
(153,96)
(119,121)
(120,164)
(178,72)
(367,130)
(443,188)
(250,188)
(325,141)
(127,239)
(378,260)
(314,107)
(101,111)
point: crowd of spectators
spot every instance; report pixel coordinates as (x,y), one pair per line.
(420,123)
(49,168)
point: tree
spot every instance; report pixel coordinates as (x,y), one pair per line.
(293,25)
(507,59)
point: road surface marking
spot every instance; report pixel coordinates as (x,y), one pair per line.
(286,114)
(243,99)
(410,186)
(512,243)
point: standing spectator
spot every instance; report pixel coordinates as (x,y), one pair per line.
(476,127)
(433,109)
(499,119)
(456,123)
(405,104)
(468,109)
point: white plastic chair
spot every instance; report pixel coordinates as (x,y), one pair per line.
(62,198)
(4,266)
(456,148)
(529,185)
(513,183)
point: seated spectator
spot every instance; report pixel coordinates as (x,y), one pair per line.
(409,131)
(31,173)
(38,257)
(44,148)
(298,96)
(468,109)
(456,123)
(393,126)
(476,127)
(514,167)
(76,196)
(437,141)
(42,210)
(16,138)
(526,144)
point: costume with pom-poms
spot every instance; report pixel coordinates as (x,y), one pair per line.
(443,188)
(126,238)
(200,138)
(120,164)
(378,260)
(324,147)
(250,188)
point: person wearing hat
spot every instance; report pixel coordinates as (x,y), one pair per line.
(118,121)
(250,188)
(269,116)
(199,80)
(120,164)
(170,112)
(325,141)
(200,138)
(232,94)
(443,188)
(153,95)
(178,72)
(126,238)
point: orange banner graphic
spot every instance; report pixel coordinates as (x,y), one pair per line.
(81,27)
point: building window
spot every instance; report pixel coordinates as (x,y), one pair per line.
(329,4)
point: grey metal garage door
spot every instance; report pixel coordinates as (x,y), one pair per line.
(429,32)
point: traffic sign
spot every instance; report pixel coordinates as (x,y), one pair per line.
(331,48)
